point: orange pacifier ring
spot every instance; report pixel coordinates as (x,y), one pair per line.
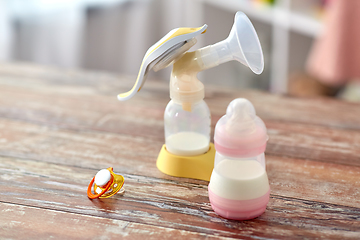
(107,184)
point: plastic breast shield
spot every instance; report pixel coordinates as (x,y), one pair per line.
(239,187)
(242,45)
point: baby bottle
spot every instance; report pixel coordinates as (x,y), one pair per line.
(187,117)
(239,187)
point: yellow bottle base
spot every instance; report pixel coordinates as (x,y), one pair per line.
(197,167)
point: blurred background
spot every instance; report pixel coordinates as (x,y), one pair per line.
(310,46)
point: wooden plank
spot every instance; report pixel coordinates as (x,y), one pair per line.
(315,181)
(66,125)
(311,142)
(325,144)
(82,112)
(95,150)
(83,109)
(95,97)
(328,112)
(24,222)
(185,206)
(86,149)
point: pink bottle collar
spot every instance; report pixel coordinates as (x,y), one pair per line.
(239,209)
(240,152)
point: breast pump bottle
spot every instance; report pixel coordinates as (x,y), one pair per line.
(187,151)
(239,187)
(187,118)
(187,133)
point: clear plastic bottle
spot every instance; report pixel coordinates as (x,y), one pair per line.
(187,116)
(239,186)
(187,133)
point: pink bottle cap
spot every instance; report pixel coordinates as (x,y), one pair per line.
(240,133)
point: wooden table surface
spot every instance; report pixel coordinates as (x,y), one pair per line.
(59,127)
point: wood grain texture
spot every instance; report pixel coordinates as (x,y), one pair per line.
(297,177)
(38,223)
(295,139)
(169,204)
(58,128)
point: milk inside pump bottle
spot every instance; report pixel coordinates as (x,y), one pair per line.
(187,117)
(239,187)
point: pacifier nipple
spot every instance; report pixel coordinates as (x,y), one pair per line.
(102,177)
(107,184)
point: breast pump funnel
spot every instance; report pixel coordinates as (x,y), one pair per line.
(242,45)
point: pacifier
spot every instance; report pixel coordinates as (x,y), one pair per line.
(107,184)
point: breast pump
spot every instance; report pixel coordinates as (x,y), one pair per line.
(187,151)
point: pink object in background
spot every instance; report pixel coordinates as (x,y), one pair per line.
(335,57)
